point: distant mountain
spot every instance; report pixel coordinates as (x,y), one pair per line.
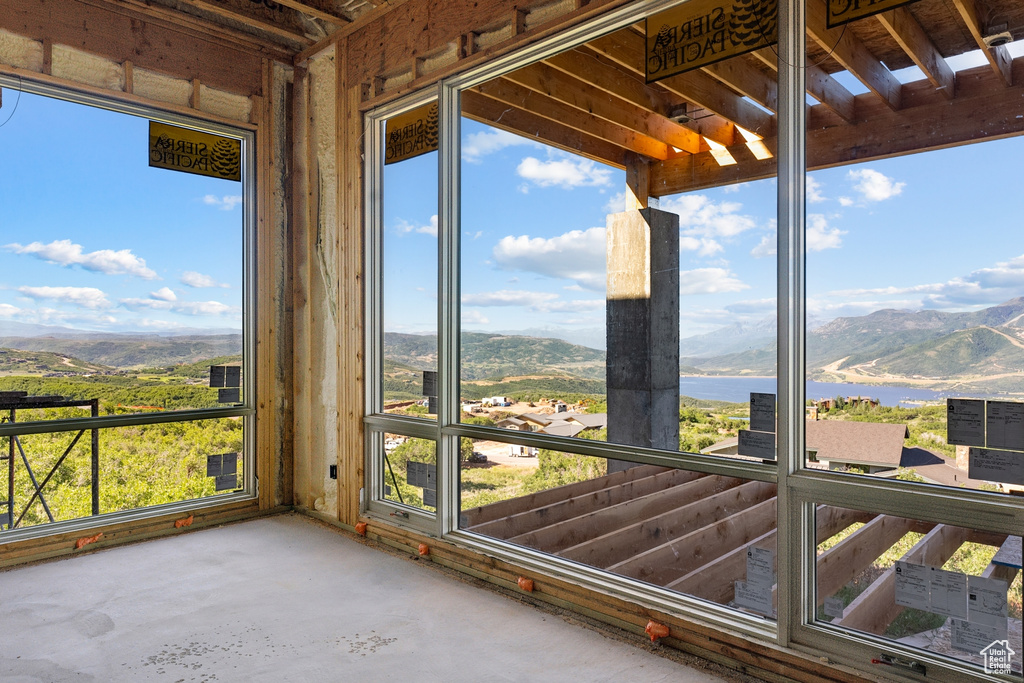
(926,344)
(16,362)
(132,351)
(499,355)
(734,338)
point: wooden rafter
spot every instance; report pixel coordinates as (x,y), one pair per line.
(998,57)
(853,55)
(844,561)
(247,19)
(311,10)
(603,74)
(739,75)
(646,532)
(557,112)
(577,93)
(667,492)
(873,610)
(627,49)
(902,25)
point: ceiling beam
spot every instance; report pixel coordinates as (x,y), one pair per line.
(626,48)
(843,46)
(742,77)
(558,112)
(570,90)
(820,85)
(250,20)
(498,114)
(311,10)
(909,33)
(998,57)
(602,73)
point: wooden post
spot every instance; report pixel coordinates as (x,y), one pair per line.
(638,182)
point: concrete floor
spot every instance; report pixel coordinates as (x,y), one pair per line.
(288,599)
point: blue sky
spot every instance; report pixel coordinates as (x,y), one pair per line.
(92,238)
(941,230)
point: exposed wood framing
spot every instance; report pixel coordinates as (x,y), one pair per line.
(251,18)
(916,43)
(998,57)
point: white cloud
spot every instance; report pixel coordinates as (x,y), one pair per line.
(820,235)
(107,261)
(564,173)
(509,297)
(226,203)
(474,318)
(196,280)
(709,281)
(768,246)
(875,186)
(814,194)
(703,246)
(478,145)
(183,307)
(846,201)
(616,203)
(430,228)
(700,216)
(86,297)
(576,255)
(9,311)
(164,294)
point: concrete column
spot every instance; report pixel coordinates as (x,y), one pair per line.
(643,330)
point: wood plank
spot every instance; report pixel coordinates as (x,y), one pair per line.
(311,10)
(489,513)
(819,83)
(515,95)
(725,496)
(603,521)
(577,505)
(574,92)
(902,26)
(251,19)
(602,73)
(498,114)
(998,57)
(739,75)
(853,55)
(626,48)
(714,581)
(130,35)
(638,182)
(873,610)
(669,561)
(847,559)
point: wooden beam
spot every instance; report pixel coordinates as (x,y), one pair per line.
(715,580)
(843,46)
(725,496)
(604,74)
(638,182)
(580,94)
(493,511)
(669,561)
(998,57)
(844,561)
(739,75)
(557,112)
(626,48)
(873,610)
(221,10)
(820,85)
(307,8)
(902,25)
(582,504)
(570,532)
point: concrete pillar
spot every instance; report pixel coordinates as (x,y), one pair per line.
(643,330)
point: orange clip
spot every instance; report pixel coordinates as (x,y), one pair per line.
(525,583)
(656,630)
(86,540)
(424,549)
(185,521)
(361,528)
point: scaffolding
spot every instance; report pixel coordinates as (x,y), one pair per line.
(13,401)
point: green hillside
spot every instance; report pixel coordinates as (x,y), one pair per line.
(968,352)
(17,362)
(133,351)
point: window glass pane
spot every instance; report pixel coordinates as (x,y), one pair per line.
(575,302)
(946,589)
(915,265)
(135,467)
(410,262)
(120,282)
(410,472)
(708,536)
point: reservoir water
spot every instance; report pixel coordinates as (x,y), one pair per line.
(738,390)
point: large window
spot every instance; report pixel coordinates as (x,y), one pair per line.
(726,323)
(125,376)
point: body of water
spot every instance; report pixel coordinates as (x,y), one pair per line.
(738,390)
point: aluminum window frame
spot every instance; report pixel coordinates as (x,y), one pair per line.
(246,410)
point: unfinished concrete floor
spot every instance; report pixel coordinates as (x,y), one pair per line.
(287,599)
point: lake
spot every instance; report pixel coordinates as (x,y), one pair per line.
(738,390)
